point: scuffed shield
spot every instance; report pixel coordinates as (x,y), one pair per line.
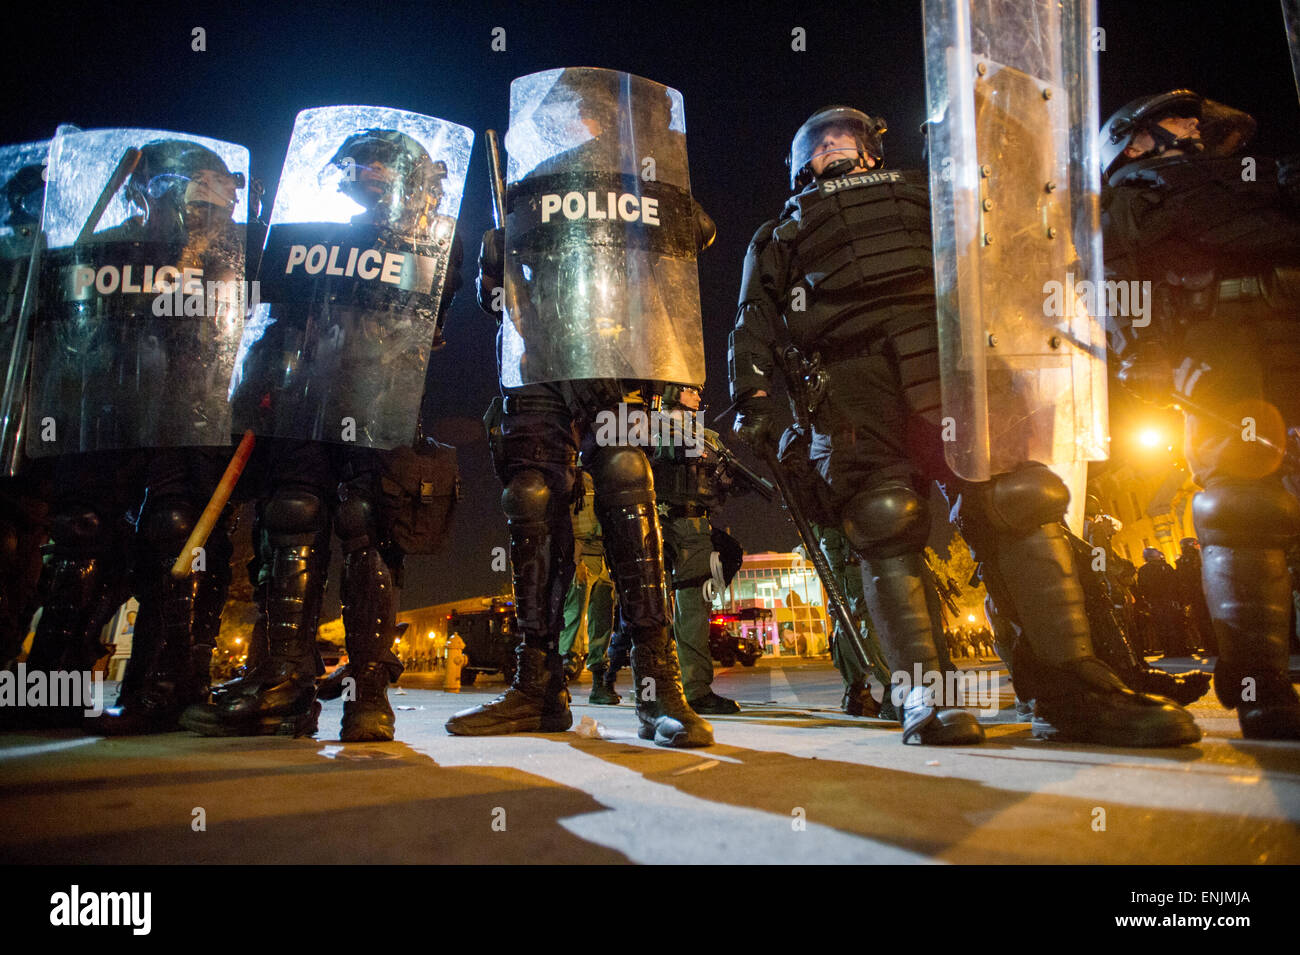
(600,278)
(1014,176)
(140,291)
(22,171)
(351,277)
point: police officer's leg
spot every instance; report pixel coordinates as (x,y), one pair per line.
(689,542)
(888,524)
(278,696)
(1013,525)
(369,595)
(85,574)
(1245,528)
(600,625)
(174,613)
(625,502)
(539,467)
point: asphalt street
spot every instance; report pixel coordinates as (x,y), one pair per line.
(791,779)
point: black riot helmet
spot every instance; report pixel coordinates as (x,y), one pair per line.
(1143,115)
(24,194)
(1153,555)
(1222,129)
(391,176)
(179,186)
(866,131)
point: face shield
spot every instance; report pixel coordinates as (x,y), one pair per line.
(836,133)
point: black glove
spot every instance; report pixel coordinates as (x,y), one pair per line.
(1149,374)
(755,424)
(491,269)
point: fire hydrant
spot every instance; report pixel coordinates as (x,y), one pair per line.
(455,660)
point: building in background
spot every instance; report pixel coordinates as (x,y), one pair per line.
(788,586)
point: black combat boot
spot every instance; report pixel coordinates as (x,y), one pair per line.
(895,592)
(1112,644)
(602,687)
(278,695)
(1249,593)
(1077,698)
(634,553)
(177,662)
(858,701)
(537,701)
(370,627)
(538,698)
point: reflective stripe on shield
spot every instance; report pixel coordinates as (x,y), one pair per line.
(140,295)
(600,279)
(1014,177)
(351,278)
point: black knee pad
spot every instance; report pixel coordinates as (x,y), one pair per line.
(887,521)
(166,524)
(79,531)
(622,476)
(356,522)
(526,498)
(294,517)
(1246,514)
(1017,502)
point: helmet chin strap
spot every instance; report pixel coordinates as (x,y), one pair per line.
(840,167)
(1165,141)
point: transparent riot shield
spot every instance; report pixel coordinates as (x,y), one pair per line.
(1014,177)
(351,278)
(140,291)
(600,277)
(22,170)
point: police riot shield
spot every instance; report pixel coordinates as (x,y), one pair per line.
(600,274)
(351,277)
(1014,176)
(22,170)
(140,291)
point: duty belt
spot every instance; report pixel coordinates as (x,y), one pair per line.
(534,404)
(674,511)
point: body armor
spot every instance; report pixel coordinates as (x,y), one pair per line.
(853,241)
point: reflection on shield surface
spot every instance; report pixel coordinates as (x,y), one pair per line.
(140,294)
(1012,100)
(601,280)
(350,282)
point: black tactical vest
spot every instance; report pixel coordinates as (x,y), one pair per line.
(860,242)
(682,480)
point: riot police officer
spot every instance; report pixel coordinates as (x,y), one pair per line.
(689,484)
(135,365)
(839,290)
(367,340)
(556,390)
(24,485)
(1218,237)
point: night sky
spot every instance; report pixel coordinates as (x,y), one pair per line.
(745,93)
